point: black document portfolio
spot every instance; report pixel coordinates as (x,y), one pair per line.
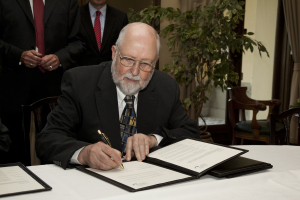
(15,179)
(206,150)
(238,166)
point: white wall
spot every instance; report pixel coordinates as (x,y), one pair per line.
(260,18)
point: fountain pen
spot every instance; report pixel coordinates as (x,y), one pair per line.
(106,141)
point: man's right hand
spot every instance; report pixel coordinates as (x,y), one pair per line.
(100,156)
(31,58)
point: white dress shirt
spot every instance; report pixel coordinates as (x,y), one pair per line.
(121,104)
(31,5)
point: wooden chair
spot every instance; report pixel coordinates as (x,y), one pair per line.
(34,120)
(286,118)
(257,130)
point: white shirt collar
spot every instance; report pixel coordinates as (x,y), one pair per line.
(121,96)
(93,10)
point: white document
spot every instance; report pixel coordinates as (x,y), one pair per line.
(14,179)
(194,155)
(140,174)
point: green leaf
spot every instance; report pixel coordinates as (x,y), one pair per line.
(186,103)
(228,12)
(250,33)
(157,21)
(235,18)
(239,7)
(251,48)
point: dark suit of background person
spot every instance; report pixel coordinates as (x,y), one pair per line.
(89,102)
(20,85)
(114,22)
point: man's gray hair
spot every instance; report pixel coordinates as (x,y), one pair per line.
(123,32)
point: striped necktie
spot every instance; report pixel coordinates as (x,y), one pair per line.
(127,122)
(97,29)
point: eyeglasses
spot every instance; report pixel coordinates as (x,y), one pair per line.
(130,62)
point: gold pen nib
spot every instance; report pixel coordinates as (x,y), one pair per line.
(122,166)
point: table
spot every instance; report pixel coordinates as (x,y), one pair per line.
(280,182)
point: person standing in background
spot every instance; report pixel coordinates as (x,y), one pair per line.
(100,28)
(38,42)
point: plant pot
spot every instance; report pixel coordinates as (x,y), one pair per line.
(206,136)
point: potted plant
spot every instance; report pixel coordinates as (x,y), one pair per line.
(201,41)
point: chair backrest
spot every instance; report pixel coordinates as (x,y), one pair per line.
(239,100)
(34,120)
(286,117)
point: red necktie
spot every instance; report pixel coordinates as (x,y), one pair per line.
(38,10)
(97,29)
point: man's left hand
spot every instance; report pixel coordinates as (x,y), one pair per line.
(138,145)
(50,62)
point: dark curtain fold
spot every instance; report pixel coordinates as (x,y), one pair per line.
(283,63)
(292,19)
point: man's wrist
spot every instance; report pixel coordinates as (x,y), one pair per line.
(153,141)
(81,156)
(158,139)
(74,158)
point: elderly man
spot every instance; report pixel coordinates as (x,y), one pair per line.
(94,97)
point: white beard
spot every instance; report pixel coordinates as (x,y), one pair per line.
(126,87)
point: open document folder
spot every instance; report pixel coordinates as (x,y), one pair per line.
(180,161)
(15,179)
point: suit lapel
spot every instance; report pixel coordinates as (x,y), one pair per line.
(88,25)
(107,106)
(49,6)
(147,109)
(27,9)
(109,23)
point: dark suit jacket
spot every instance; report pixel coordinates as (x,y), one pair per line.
(17,34)
(89,102)
(114,22)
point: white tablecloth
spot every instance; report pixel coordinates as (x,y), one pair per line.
(280,182)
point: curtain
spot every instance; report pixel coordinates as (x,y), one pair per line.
(283,64)
(292,18)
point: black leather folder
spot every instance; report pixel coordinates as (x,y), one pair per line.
(238,166)
(19,180)
(210,148)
